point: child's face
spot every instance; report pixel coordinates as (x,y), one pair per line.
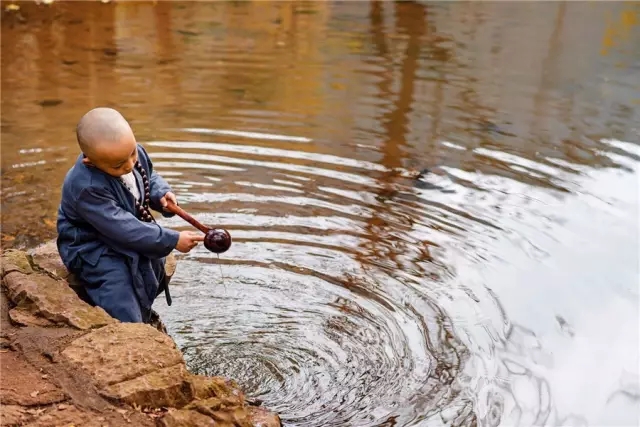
(115,159)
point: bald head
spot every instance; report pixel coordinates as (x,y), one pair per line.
(107,141)
(101,127)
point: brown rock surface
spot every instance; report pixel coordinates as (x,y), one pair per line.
(13,260)
(69,417)
(46,257)
(261,417)
(169,387)
(22,384)
(23,317)
(53,300)
(13,415)
(186,418)
(225,411)
(206,387)
(122,352)
(222,400)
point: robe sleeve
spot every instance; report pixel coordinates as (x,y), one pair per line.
(98,207)
(158,187)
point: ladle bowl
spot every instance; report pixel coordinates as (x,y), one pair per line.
(216,240)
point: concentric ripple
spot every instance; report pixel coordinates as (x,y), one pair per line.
(293,311)
(291,338)
(344,308)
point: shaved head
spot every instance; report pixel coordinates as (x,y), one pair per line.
(107,141)
(101,126)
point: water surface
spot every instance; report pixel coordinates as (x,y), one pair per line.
(434,206)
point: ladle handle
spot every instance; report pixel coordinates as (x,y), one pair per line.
(172,207)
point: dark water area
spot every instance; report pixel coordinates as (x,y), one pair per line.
(434,206)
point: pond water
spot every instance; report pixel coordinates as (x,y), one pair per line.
(434,206)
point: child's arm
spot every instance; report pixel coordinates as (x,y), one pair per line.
(99,208)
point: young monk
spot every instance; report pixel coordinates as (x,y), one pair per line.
(107,236)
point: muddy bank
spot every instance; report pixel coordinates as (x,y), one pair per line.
(65,363)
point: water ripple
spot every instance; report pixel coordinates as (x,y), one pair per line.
(433,204)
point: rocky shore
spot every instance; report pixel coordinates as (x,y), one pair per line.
(65,363)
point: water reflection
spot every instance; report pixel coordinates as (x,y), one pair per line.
(434,205)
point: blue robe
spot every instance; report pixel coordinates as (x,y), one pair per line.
(118,258)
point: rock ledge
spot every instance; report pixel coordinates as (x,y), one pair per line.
(64,362)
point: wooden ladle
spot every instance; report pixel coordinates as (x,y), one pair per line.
(216,240)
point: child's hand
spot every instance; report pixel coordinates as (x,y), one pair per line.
(188,240)
(168,197)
